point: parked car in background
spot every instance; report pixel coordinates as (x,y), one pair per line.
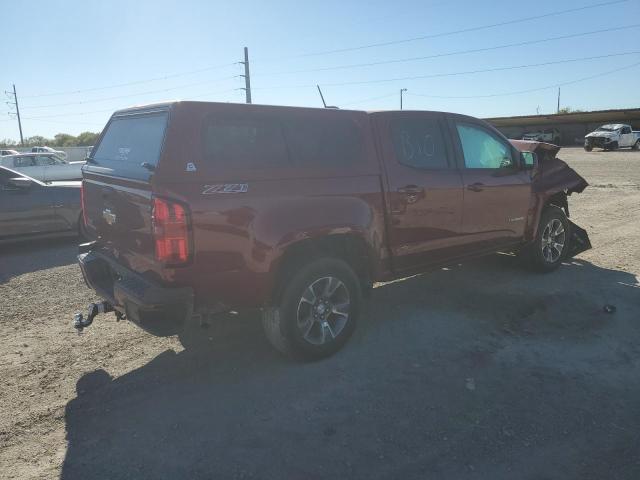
(30,208)
(194,208)
(44,167)
(8,152)
(59,153)
(612,137)
(550,135)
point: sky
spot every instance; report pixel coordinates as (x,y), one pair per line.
(74,62)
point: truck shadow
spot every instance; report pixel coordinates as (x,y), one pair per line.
(35,255)
(451,374)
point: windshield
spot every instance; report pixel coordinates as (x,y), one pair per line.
(606,128)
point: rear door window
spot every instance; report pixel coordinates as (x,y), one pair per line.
(245,143)
(323,142)
(130,141)
(419,143)
(23,162)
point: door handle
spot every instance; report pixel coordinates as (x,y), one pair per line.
(475,187)
(411,192)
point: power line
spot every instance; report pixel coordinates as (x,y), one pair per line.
(112,109)
(448,54)
(455,32)
(450,74)
(136,82)
(370,99)
(537,89)
(104,99)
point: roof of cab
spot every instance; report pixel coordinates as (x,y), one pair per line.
(170,104)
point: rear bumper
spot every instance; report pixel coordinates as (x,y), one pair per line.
(159,310)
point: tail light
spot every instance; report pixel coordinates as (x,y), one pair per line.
(171,232)
(82,205)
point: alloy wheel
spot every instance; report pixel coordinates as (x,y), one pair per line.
(553,241)
(323,310)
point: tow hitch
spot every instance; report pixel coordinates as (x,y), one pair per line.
(79,322)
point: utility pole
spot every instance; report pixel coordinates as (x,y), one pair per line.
(247,76)
(15,102)
(401,90)
(558,110)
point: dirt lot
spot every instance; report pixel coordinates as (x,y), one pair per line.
(477,371)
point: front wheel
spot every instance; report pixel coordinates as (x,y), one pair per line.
(552,240)
(317,311)
(588,148)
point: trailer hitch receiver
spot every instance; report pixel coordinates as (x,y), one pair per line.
(79,322)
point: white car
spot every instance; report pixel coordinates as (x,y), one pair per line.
(612,137)
(8,152)
(550,135)
(59,153)
(45,167)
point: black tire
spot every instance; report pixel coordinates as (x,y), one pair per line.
(544,255)
(588,148)
(636,146)
(614,146)
(329,327)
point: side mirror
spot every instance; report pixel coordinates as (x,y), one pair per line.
(19,183)
(529,160)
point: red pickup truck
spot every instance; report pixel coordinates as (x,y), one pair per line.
(196,208)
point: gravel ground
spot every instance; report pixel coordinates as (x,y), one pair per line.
(482,370)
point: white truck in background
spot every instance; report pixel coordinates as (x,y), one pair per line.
(611,137)
(549,135)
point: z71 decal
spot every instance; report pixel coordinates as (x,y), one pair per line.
(225,188)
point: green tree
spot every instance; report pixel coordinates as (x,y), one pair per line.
(36,140)
(64,140)
(569,110)
(86,139)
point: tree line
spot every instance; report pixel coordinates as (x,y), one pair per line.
(85,139)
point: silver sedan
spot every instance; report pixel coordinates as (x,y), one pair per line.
(45,167)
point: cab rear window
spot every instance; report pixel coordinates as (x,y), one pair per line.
(131,141)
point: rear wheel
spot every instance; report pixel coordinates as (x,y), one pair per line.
(636,146)
(317,312)
(552,240)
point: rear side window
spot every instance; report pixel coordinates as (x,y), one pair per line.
(419,143)
(24,162)
(131,141)
(245,143)
(334,141)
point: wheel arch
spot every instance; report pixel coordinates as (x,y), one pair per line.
(350,247)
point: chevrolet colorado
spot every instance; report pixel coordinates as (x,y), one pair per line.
(195,208)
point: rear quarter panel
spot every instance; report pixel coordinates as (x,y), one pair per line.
(239,238)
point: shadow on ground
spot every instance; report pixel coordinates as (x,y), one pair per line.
(34,255)
(481,371)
